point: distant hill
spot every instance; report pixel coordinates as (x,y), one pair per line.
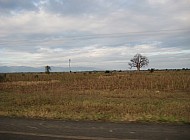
(12,69)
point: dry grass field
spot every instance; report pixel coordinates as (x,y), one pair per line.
(161,96)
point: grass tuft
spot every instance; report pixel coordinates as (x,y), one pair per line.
(154,97)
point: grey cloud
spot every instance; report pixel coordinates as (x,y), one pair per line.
(73,7)
(94,32)
(8,6)
(91,7)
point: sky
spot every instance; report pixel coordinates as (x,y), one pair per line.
(103,34)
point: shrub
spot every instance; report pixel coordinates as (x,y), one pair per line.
(107,71)
(152,70)
(2,77)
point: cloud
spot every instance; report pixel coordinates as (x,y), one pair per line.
(102,57)
(99,33)
(17,6)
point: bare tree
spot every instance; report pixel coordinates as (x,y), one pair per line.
(47,69)
(138,61)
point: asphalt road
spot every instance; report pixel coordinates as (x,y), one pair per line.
(34,129)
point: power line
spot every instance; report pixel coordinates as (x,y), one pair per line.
(62,39)
(132,33)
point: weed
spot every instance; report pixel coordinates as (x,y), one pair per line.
(159,96)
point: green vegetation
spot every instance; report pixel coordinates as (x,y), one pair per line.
(118,96)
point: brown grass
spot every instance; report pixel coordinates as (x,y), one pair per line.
(158,96)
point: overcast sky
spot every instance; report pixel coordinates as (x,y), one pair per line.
(104,34)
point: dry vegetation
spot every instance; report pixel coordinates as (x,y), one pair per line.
(126,96)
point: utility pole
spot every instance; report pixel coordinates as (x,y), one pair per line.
(70,65)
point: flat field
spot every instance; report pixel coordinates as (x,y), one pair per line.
(161,96)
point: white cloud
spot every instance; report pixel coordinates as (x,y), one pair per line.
(96,33)
(101,57)
(155,2)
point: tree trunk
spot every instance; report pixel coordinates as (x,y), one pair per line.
(138,67)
